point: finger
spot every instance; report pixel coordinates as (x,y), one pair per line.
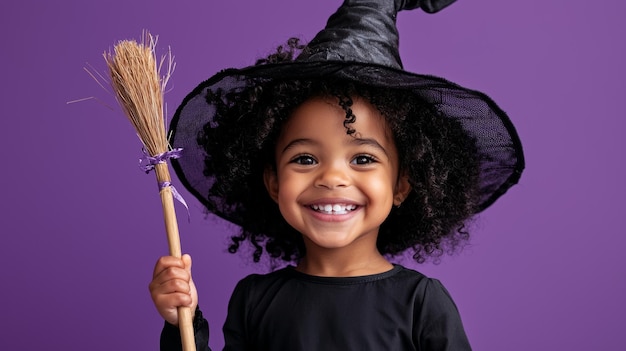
(165,262)
(167,305)
(171,286)
(172,273)
(170,280)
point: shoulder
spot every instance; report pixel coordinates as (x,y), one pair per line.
(257,278)
(407,273)
(417,280)
(262,282)
(427,292)
(437,322)
(434,307)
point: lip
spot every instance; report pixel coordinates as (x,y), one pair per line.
(332,201)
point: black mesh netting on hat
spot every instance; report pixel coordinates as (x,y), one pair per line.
(499,147)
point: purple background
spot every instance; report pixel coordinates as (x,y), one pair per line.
(82,227)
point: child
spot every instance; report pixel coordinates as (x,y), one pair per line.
(338,160)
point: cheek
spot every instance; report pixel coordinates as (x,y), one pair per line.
(290,188)
(290,185)
(380,187)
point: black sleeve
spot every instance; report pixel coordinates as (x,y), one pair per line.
(440,324)
(170,335)
(236,336)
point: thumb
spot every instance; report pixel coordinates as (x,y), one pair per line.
(187,262)
(194,293)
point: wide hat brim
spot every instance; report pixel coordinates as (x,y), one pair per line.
(498,144)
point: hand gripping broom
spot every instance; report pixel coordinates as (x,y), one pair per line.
(138,86)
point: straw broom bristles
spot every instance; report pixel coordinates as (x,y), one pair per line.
(138,86)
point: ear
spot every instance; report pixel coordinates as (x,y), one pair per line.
(402,190)
(270,179)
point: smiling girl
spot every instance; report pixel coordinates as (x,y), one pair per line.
(338,161)
(336,189)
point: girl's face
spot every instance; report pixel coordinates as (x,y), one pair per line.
(336,189)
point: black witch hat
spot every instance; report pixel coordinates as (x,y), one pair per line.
(359,43)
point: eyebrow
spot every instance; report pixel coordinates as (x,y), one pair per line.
(370,142)
(358,141)
(298,142)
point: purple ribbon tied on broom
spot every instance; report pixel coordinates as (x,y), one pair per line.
(148,162)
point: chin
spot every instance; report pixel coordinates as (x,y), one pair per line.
(336,242)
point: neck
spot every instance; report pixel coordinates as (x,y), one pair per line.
(338,263)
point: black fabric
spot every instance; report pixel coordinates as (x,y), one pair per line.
(364,31)
(286,310)
(170,335)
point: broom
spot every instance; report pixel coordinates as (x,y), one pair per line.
(138,86)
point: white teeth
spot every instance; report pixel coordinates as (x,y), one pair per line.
(334,209)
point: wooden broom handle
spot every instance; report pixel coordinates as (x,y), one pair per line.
(185,320)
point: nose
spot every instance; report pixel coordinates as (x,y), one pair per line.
(333,175)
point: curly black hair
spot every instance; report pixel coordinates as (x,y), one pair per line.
(439,158)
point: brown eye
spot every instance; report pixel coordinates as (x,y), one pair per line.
(363,160)
(305,160)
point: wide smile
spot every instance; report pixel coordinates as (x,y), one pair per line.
(333,209)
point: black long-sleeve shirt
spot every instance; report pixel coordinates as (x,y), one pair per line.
(287,310)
